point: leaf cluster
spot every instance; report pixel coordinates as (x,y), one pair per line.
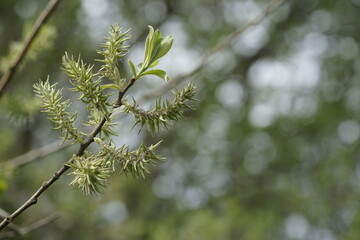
(56,109)
(165,113)
(134,162)
(113,50)
(156,46)
(82,78)
(92,170)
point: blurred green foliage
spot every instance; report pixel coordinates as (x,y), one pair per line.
(272,151)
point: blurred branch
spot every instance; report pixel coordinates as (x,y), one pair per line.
(36,153)
(28,228)
(226,42)
(49,149)
(43,17)
(14,229)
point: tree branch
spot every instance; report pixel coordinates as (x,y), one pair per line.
(204,60)
(34,198)
(36,153)
(14,229)
(43,17)
(29,228)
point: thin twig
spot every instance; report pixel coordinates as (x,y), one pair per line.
(42,222)
(12,227)
(34,198)
(204,60)
(30,228)
(43,17)
(37,153)
(226,42)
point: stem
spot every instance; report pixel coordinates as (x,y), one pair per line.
(121,94)
(37,153)
(103,121)
(40,223)
(45,14)
(34,198)
(21,231)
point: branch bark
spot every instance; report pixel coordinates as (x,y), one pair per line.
(43,17)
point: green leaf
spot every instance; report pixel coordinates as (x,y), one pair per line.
(156,45)
(164,47)
(157,72)
(132,67)
(154,64)
(149,44)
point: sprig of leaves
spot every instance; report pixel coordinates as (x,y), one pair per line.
(95,120)
(57,110)
(82,78)
(91,173)
(165,112)
(156,46)
(113,50)
(135,162)
(93,169)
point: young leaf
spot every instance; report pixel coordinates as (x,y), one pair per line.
(154,64)
(132,67)
(149,44)
(156,45)
(164,47)
(157,72)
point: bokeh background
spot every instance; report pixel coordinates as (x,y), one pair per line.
(271,152)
